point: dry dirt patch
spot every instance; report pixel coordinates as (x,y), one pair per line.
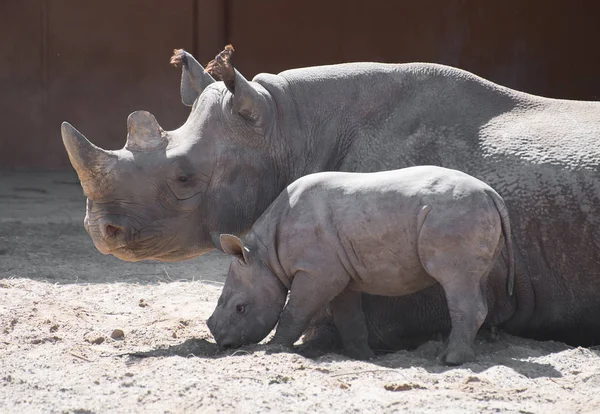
(58,356)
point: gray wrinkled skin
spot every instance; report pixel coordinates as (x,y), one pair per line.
(237,152)
(331,235)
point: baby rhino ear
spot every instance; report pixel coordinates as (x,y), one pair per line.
(232,245)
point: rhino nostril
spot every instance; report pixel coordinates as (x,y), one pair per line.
(109,230)
(112,230)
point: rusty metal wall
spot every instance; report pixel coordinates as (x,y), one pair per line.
(546,47)
(92,63)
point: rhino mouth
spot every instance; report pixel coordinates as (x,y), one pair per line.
(152,247)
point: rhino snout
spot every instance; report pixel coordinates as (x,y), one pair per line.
(213,328)
(211,324)
(222,336)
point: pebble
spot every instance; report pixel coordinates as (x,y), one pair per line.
(117,334)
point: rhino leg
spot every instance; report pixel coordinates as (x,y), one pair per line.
(308,294)
(321,336)
(458,249)
(468,310)
(350,321)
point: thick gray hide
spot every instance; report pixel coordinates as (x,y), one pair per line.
(221,170)
(331,235)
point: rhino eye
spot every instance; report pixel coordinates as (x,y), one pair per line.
(240,309)
(183,179)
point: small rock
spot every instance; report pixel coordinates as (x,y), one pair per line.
(54,327)
(403,387)
(117,334)
(280,379)
(94,338)
(142,303)
(472,379)
(44,340)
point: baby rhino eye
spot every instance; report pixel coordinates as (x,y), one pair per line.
(240,308)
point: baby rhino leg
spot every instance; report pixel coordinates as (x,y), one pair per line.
(351,324)
(308,294)
(468,310)
(459,250)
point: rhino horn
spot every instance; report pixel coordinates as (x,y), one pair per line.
(144,133)
(90,162)
(193,76)
(248,102)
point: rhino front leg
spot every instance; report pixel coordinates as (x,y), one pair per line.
(350,321)
(308,294)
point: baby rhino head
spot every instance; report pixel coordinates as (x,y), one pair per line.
(252,298)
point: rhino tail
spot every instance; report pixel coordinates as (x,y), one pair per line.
(505,220)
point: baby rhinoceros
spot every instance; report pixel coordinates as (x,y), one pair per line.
(330,236)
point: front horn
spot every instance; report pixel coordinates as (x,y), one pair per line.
(90,162)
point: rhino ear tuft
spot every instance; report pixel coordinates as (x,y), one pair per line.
(193,76)
(221,68)
(234,246)
(144,133)
(248,102)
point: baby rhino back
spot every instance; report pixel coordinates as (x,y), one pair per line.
(388,230)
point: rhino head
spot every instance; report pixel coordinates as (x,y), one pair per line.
(161,195)
(252,298)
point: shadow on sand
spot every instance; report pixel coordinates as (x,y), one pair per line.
(512,352)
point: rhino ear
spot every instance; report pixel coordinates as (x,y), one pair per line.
(233,245)
(193,77)
(144,133)
(248,102)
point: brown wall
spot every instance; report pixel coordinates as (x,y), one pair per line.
(92,63)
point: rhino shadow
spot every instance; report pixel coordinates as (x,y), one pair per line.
(193,347)
(508,351)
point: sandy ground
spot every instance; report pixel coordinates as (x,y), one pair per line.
(85,333)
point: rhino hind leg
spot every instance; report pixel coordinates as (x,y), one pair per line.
(468,310)
(459,251)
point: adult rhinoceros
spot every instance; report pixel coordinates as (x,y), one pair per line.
(165,192)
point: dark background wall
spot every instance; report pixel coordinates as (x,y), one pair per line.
(92,63)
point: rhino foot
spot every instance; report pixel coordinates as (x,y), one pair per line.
(492,335)
(457,356)
(311,350)
(273,348)
(362,354)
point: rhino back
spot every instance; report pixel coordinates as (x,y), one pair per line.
(540,154)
